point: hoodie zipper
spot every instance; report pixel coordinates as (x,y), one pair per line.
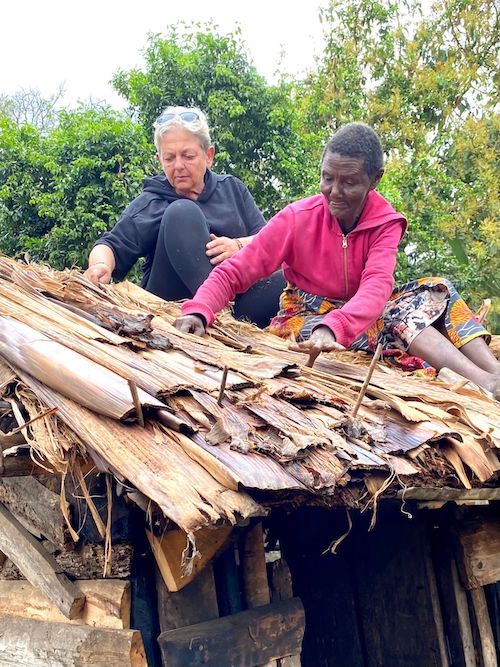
(346,282)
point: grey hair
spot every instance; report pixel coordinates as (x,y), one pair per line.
(361,141)
(198,128)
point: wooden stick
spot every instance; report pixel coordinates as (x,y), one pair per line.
(368,377)
(486,639)
(137,403)
(222,385)
(48,412)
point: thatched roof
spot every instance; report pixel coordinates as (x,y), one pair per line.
(108,358)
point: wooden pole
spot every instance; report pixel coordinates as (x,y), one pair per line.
(436,607)
(255,583)
(486,639)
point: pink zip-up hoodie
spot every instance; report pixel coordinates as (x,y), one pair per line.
(317,257)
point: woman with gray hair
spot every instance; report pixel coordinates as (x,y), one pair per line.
(185,222)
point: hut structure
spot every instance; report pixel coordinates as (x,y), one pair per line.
(174,501)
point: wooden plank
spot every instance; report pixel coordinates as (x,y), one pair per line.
(39,507)
(479,552)
(195,603)
(28,643)
(247,638)
(107,603)
(485,633)
(326,584)
(394,592)
(170,551)
(445,494)
(38,566)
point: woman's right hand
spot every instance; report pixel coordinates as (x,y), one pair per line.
(100,272)
(191,324)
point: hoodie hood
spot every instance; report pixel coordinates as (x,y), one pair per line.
(159,185)
(377,211)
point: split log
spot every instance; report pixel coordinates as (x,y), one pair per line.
(479,552)
(86,563)
(29,643)
(169,552)
(249,637)
(38,566)
(107,603)
(37,506)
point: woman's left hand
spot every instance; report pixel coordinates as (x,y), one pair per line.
(221,248)
(321,340)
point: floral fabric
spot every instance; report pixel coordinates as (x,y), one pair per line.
(411,308)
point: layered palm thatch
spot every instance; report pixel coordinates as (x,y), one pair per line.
(144,402)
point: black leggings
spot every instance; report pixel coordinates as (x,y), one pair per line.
(180,265)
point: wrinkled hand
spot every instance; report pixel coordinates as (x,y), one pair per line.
(99,273)
(191,324)
(221,248)
(322,340)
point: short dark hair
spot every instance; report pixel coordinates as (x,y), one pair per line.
(361,141)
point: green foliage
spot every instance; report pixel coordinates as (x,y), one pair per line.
(62,189)
(253,124)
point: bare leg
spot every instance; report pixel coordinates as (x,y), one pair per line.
(479,353)
(439,351)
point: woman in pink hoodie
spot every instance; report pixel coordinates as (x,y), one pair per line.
(338,253)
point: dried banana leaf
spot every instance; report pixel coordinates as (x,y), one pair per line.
(71,374)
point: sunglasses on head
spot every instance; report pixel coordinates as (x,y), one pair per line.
(187,116)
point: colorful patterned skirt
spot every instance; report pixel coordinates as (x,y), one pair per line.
(411,308)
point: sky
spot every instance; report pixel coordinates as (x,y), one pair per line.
(48,43)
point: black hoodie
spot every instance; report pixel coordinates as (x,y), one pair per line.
(227,204)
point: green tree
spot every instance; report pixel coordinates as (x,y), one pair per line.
(253,124)
(61,189)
